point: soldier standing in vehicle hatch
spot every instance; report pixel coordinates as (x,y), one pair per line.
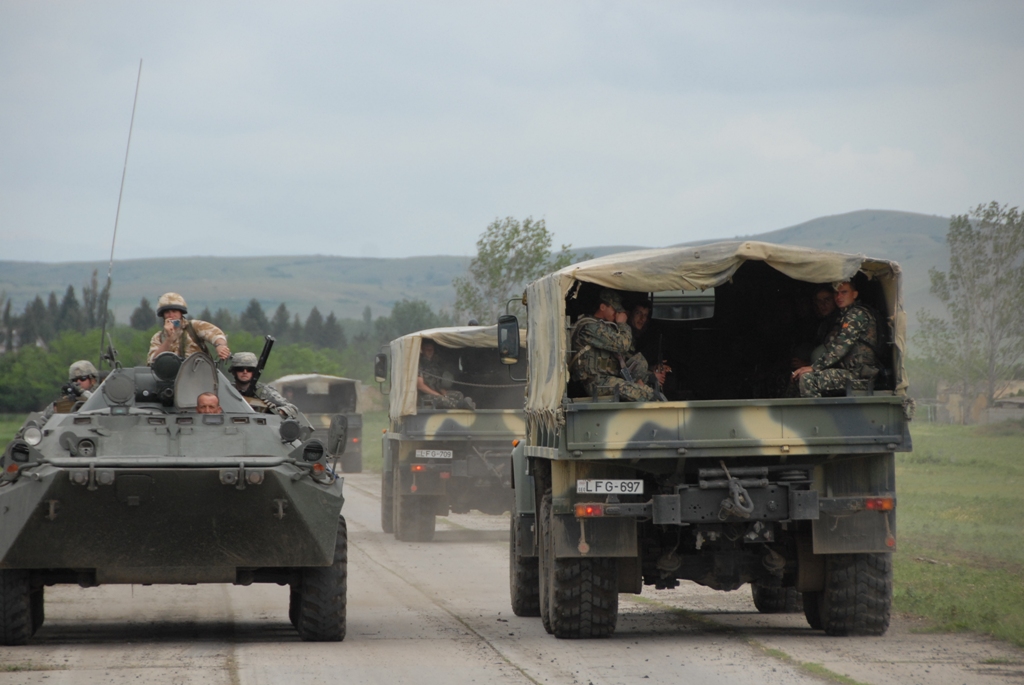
(181,336)
(243,368)
(599,346)
(849,348)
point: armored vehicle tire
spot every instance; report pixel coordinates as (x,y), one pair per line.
(15,607)
(771,598)
(524,576)
(352,463)
(583,594)
(858,594)
(812,610)
(294,607)
(387,502)
(323,595)
(37,604)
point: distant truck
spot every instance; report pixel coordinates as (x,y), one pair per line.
(733,479)
(442,460)
(322,399)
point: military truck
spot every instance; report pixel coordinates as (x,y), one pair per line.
(322,399)
(731,479)
(137,487)
(441,460)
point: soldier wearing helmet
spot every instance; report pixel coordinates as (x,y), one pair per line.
(181,336)
(243,368)
(82,381)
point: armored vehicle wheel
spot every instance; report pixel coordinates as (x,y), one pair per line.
(524,576)
(771,598)
(352,463)
(323,595)
(858,594)
(15,607)
(583,594)
(414,517)
(812,609)
(38,607)
(294,607)
(387,502)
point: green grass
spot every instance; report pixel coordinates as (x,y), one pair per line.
(961,547)
(373,423)
(9,425)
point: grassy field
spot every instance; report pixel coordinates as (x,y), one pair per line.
(960,562)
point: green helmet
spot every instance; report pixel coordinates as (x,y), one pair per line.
(243,360)
(82,368)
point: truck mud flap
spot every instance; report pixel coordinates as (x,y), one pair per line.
(593,537)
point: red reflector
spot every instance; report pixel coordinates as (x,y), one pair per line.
(445,475)
(413,488)
(13,468)
(880,503)
(890,541)
(419,467)
(355,439)
(588,509)
(515,443)
(318,467)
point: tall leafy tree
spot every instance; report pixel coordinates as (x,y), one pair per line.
(509,254)
(253,319)
(144,317)
(409,316)
(982,340)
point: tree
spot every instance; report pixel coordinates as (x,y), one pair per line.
(69,316)
(332,335)
(983,338)
(279,324)
(253,319)
(144,317)
(314,329)
(223,320)
(409,316)
(509,254)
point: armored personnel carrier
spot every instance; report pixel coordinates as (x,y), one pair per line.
(732,477)
(323,399)
(136,486)
(440,458)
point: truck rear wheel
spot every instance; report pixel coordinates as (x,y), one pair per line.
(770,597)
(583,594)
(15,607)
(414,516)
(387,502)
(37,604)
(323,595)
(294,607)
(812,609)
(858,594)
(524,576)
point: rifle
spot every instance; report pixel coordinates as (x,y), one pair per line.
(268,344)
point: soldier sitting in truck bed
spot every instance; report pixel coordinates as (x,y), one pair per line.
(430,382)
(599,345)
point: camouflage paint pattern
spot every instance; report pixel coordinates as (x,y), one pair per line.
(186,346)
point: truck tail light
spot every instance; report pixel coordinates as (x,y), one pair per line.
(589,510)
(416,468)
(445,475)
(880,503)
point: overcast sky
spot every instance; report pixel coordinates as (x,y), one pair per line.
(398,129)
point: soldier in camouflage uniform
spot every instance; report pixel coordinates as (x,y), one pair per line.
(849,348)
(83,378)
(243,367)
(429,383)
(184,337)
(599,346)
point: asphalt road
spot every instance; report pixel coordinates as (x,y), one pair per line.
(438,613)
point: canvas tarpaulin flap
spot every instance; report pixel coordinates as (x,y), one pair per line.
(680,268)
(405,359)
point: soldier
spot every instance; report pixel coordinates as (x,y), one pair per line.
(208,403)
(243,368)
(849,348)
(429,382)
(82,380)
(599,345)
(184,337)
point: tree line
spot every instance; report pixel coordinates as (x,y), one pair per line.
(43,320)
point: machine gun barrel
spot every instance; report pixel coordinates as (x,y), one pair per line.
(268,344)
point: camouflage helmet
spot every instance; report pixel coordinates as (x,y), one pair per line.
(171,301)
(243,360)
(81,368)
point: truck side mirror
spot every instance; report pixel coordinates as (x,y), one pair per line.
(380,368)
(508,339)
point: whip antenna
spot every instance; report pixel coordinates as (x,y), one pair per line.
(117,215)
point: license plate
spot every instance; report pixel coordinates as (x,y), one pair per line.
(433,454)
(609,487)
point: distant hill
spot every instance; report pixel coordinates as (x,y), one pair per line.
(345,285)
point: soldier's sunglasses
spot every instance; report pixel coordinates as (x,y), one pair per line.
(79,379)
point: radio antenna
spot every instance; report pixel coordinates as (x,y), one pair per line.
(113,241)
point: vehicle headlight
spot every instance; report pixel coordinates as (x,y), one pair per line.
(313,451)
(32,435)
